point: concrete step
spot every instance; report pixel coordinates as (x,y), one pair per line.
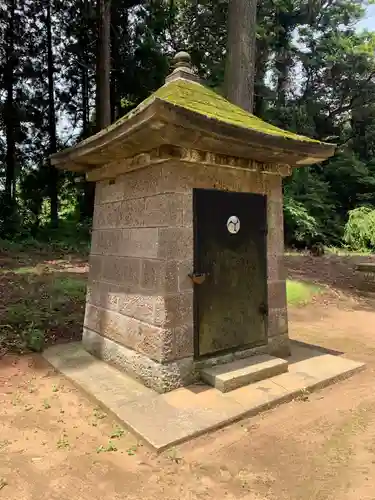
(243,372)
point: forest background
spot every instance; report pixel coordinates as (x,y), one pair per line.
(314,74)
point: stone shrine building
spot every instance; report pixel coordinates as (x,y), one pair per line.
(186,263)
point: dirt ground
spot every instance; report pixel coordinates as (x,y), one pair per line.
(56,444)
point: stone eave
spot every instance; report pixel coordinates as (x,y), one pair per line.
(110,145)
(160,123)
(224,138)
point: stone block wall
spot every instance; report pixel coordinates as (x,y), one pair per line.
(139,295)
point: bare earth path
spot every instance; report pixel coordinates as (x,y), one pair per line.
(54,442)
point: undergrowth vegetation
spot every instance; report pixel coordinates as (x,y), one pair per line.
(39,304)
(71,236)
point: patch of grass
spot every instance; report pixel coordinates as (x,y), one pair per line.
(21,270)
(303,396)
(46,405)
(132,450)
(329,250)
(42,306)
(18,313)
(99,414)
(110,447)
(63,442)
(174,456)
(73,288)
(11,341)
(34,338)
(117,433)
(299,292)
(17,399)
(346,252)
(4,443)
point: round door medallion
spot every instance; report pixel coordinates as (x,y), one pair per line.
(233,224)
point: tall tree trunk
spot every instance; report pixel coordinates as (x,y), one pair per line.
(283,60)
(282,69)
(9,108)
(85,72)
(114,68)
(86,202)
(53,174)
(262,54)
(103,65)
(240,61)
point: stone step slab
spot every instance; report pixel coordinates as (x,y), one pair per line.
(231,376)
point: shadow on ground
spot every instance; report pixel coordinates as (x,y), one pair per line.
(302,351)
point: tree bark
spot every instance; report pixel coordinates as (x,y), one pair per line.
(9,108)
(262,54)
(84,68)
(103,65)
(53,174)
(115,63)
(283,57)
(86,202)
(240,59)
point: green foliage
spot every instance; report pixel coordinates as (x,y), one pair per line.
(70,237)
(9,217)
(118,432)
(63,442)
(360,229)
(301,227)
(34,338)
(315,76)
(307,202)
(108,448)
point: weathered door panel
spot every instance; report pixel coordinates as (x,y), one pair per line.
(230,247)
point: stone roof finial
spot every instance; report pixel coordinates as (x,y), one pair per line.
(182,68)
(182,60)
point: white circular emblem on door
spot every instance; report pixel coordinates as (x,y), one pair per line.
(233,224)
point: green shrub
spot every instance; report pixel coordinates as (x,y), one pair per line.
(34,338)
(359,232)
(300,225)
(70,237)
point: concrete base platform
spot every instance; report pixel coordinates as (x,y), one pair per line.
(243,372)
(165,420)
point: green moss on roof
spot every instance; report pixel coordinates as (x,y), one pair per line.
(203,100)
(200,99)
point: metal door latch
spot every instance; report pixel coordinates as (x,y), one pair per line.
(263,310)
(198,278)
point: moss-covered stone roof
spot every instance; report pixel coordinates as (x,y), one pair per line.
(184,94)
(200,99)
